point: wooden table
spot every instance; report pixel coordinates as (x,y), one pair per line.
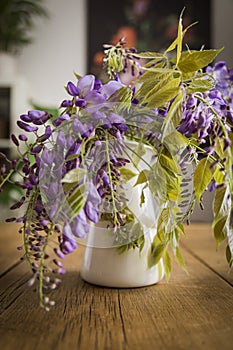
(192,311)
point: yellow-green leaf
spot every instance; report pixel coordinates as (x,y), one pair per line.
(167,264)
(201,84)
(159,81)
(169,164)
(180,259)
(142,177)
(192,61)
(173,45)
(179,39)
(165,94)
(175,141)
(127,174)
(78,196)
(142,198)
(173,116)
(219,175)
(148,54)
(219,147)
(74,175)
(229,256)
(156,253)
(202,176)
(219,232)
(219,200)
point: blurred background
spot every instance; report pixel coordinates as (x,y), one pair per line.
(40,51)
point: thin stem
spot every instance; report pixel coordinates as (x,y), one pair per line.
(41,267)
(110,180)
(29,220)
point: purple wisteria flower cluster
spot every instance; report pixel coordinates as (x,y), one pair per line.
(75,170)
(200,108)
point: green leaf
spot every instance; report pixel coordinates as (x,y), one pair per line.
(77,199)
(229,256)
(219,147)
(222,208)
(142,198)
(180,259)
(152,86)
(201,84)
(127,174)
(192,61)
(219,175)
(163,95)
(124,97)
(202,176)
(175,141)
(142,177)
(219,232)
(167,264)
(148,54)
(219,201)
(67,187)
(179,39)
(157,72)
(229,232)
(74,175)
(173,188)
(173,116)
(175,42)
(158,183)
(169,164)
(156,253)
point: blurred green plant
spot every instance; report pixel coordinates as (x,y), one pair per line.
(17,22)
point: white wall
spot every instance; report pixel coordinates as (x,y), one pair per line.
(222,28)
(58,49)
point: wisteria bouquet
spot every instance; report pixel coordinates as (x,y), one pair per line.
(74,169)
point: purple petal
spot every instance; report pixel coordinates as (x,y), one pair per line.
(15,140)
(91,212)
(99,116)
(37,149)
(80,102)
(60,119)
(97,85)
(86,84)
(61,139)
(115,118)
(23,137)
(72,89)
(94,98)
(59,253)
(93,194)
(111,87)
(36,114)
(79,229)
(83,129)
(25,118)
(219,65)
(26,127)
(66,103)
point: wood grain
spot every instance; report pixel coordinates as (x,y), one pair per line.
(190,312)
(10,239)
(206,251)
